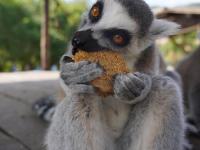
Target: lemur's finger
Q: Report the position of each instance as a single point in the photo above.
(88, 68)
(136, 81)
(82, 89)
(136, 91)
(66, 59)
(82, 76)
(132, 83)
(88, 76)
(121, 88)
(67, 76)
(71, 71)
(136, 84)
(73, 66)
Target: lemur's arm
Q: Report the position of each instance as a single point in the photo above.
(166, 108)
(158, 104)
(156, 123)
(159, 113)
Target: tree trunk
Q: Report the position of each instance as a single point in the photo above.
(44, 40)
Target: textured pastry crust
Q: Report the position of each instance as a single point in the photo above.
(112, 63)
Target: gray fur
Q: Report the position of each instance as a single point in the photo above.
(144, 113)
(141, 12)
(149, 61)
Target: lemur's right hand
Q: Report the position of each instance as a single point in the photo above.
(77, 75)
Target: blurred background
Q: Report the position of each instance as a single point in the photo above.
(33, 36)
(26, 44)
(23, 35)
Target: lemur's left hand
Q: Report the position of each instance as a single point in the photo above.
(132, 87)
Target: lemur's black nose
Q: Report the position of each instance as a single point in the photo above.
(76, 42)
(80, 38)
(84, 40)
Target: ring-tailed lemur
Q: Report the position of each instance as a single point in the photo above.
(145, 112)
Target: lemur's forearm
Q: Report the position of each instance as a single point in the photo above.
(171, 131)
(156, 123)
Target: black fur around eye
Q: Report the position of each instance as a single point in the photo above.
(96, 12)
(119, 37)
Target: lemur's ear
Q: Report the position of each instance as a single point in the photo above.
(162, 28)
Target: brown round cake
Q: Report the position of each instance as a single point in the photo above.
(111, 61)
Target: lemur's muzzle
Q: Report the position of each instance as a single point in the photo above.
(83, 40)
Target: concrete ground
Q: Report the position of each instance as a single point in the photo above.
(20, 129)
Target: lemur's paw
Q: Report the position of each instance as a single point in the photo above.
(79, 73)
(132, 87)
(45, 108)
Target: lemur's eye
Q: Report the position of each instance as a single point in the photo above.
(118, 39)
(96, 12)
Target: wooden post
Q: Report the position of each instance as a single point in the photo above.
(44, 39)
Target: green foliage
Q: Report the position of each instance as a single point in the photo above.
(20, 31)
(18, 38)
(177, 47)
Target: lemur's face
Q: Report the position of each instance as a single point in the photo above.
(113, 25)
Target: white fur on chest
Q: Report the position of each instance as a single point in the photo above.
(116, 115)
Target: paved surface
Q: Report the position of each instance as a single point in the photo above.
(20, 129)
